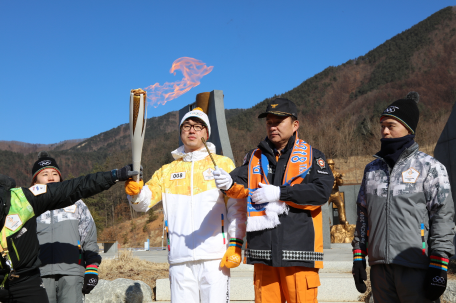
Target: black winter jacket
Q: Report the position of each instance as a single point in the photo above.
(25, 249)
(298, 239)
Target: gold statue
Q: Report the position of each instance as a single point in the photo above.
(335, 197)
(343, 232)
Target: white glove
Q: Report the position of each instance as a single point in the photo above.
(266, 193)
(222, 179)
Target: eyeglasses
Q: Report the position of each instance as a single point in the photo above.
(196, 127)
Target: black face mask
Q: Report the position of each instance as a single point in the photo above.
(392, 148)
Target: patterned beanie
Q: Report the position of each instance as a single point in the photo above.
(405, 111)
(44, 161)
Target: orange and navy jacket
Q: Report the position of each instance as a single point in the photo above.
(298, 239)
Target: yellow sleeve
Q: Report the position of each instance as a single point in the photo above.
(225, 163)
(155, 186)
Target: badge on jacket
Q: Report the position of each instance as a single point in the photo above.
(321, 163)
(70, 209)
(38, 189)
(207, 174)
(177, 176)
(13, 222)
(410, 175)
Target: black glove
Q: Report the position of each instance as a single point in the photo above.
(360, 275)
(435, 282)
(90, 279)
(7, 182)
(124, 173)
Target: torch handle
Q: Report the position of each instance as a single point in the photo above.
(137, 167)
(209, 152)
(138, 114)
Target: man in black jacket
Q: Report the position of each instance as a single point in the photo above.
(19, 274)
(286, 182)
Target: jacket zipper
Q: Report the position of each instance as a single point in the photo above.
(14, 246)
(52, 240)
(191, 208)
(388, 199)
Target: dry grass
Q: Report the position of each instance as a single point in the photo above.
(127, 266)
(133, 233)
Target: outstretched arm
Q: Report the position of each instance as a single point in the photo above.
(59, 195)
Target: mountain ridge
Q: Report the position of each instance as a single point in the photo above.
(338, 109)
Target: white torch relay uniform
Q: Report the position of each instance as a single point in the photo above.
(201, 221)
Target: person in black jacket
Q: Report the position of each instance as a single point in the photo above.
(286, 182)
(20, 280)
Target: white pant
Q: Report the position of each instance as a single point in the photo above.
(199, 281)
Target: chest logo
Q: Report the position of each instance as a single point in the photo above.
(13, 222)
(70, 209)
(410, 175)
(207, 174)
(177, 176)
(38, 189)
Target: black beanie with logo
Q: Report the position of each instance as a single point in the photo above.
(44, 161)
(405, 111)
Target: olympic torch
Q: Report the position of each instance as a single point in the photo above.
(138, 113)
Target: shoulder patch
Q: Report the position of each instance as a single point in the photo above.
(321, 163)
(38, 189)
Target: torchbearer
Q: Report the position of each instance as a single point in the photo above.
(138, 113)
(198, 217)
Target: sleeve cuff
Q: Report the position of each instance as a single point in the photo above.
(359, 255)
(284, 196)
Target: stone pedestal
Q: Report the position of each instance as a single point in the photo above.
(350, 196)
(325, 212)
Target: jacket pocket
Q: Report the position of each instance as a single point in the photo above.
(313, 281)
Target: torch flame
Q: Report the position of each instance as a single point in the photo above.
(192, 69)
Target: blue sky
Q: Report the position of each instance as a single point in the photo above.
(67, 67)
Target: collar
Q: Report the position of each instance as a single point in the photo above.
(407, 152)
(196, 155)
(268, 146)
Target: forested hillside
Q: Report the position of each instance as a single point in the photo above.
(339, 112)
